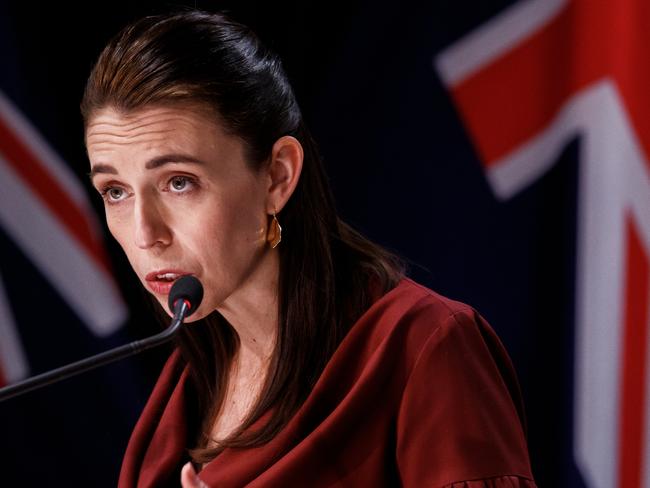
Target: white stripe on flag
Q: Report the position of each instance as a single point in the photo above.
(12, 356)
(645, 468)
(85, 286)
(45, 155)
(494, 38)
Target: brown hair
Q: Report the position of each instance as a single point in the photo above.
(329, 274)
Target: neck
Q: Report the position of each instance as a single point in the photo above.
(252, 310)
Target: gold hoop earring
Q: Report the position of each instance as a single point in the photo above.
(274, 234)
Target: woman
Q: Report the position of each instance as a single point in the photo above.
(312, 360)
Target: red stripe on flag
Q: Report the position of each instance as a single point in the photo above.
(511, 99)
(633, 382)
(50, 192)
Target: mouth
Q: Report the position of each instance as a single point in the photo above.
(161, 281)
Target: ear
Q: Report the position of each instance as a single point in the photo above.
(284, 170)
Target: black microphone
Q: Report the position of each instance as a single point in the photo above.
(184, 298)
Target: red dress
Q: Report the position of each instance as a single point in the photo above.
(420, 393)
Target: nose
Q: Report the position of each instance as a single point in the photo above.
(151, 230)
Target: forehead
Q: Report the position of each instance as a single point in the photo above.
(109, 128)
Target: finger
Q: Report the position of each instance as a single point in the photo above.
(189, 478)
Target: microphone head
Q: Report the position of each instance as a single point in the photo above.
(186, 288)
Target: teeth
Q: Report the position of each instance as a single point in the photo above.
(167, 276)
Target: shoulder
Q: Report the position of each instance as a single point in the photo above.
(435, 338)
(416, 300)
(417, 313)
(438, 333)
(410, 322)
(461, 402)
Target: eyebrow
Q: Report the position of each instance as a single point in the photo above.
(154, 163)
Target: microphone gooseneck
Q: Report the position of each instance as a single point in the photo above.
(184, 298)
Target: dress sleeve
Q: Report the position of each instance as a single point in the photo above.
(498, 482)
(460, 421)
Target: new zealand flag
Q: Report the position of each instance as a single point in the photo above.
(59, 299)
(500, 146)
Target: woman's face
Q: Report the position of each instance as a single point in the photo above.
(180, 199)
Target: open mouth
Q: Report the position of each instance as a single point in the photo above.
(160, 282)
(167, 276)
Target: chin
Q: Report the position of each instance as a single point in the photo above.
(195, 317)
(202, 312)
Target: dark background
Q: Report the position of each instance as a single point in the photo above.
(403, 172)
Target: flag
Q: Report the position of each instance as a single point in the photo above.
(526, 83)
(404, 171)
(59, 300)
(44, 210)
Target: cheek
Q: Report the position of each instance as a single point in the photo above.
(229, 238)
(116, 227)
(230, 235)
(248, 225)
(121, 232)
(237, 218)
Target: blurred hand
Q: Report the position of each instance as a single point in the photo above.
(189, 478)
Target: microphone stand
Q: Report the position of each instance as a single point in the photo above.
(181, 309)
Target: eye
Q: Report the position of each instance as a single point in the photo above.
(180, 184)
(113, 194)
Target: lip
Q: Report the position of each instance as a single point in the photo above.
(162, 287)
